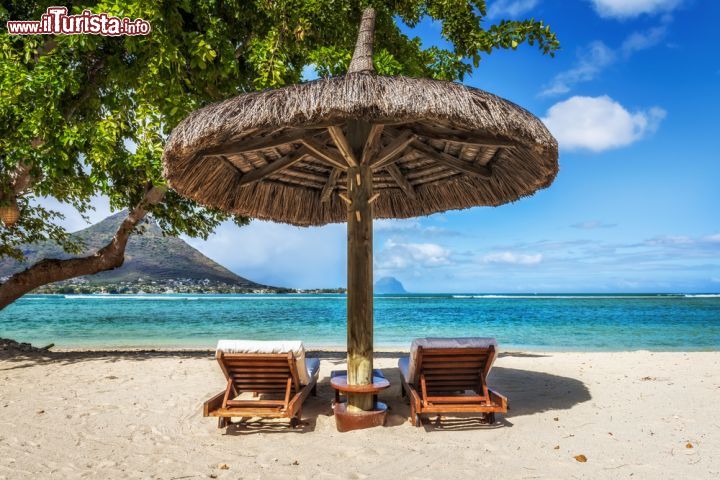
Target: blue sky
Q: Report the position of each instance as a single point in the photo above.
(633, 99)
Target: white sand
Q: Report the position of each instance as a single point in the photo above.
(107, 415)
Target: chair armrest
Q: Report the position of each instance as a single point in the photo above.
(498, 399)
(414, 397)
(213, 404)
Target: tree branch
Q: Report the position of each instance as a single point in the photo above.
(110, 257)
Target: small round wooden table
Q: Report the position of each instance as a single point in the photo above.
(346, 420)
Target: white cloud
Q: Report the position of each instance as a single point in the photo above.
(592, 59)
(410, 227)
(623, 9)
(713, 238)
(669, 240)
(592, 225)
(395, 226)
(596, 57)
(510, 8)
(643, 40)
(398, 256)
(599, 123)
(513, 258)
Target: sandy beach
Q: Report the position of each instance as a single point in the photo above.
(138, 415)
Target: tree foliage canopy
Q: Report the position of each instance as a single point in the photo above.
(88, 115)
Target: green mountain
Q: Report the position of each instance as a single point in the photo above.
(149, 257)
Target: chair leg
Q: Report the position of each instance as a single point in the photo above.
(222, 422)
(414, 416)
(417, 421)
(296, 420)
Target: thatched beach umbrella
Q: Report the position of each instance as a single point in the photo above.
(355, 148)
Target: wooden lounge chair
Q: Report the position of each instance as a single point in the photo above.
(449, 375)
(264, 379)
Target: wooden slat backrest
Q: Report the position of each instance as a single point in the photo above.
(444, 370)
(261, 373)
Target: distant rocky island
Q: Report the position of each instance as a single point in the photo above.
(154, 263)
(389, 285)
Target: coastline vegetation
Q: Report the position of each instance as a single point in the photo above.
(81, 286)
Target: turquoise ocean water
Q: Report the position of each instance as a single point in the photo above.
(542, 322)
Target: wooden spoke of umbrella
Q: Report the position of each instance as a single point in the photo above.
(270, 168)
(282, 137)
(440, 176)
(329, 155)
(496, 156)
(391, 152)
(303, 178)
(446, 134)
(227, 162)
(400, 179)
(373, 143)
(338, 137)
(451, 161)
(330, 185)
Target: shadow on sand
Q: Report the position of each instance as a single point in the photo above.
(313, 408)
(255, 426)
(529, 392)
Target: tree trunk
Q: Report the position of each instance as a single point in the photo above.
(362, 57)
(360, 271)
(109, 257)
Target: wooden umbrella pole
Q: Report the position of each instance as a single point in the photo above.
(360, 237)
(360, 271)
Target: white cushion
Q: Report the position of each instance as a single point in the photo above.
(463, 342)
(305, 372)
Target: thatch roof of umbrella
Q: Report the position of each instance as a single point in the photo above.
(270, 155)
